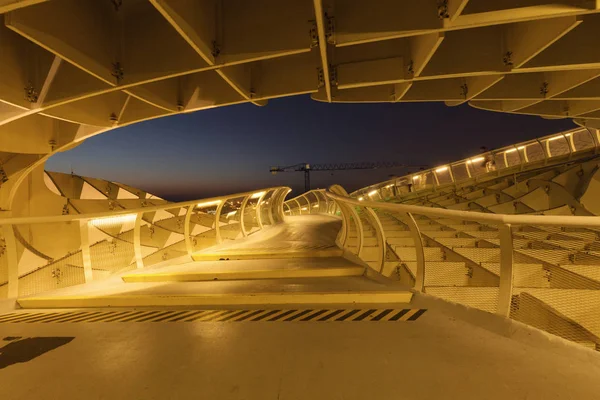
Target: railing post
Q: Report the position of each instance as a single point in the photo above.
(12, 260)
(374, 219)
(242, 213)
(84, 233)
(359, 230)
(187, 232)
(270, 207)
(418, 240)
(137, 240)
(218, 237)
(299, 207)
(506, 270)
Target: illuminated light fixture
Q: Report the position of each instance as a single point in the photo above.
(257, 195)
(389, 186)
(442, 169)
(478, 159)
(231, 214)
(361, 198)
(372, 193)
(208, 203)
(513, 150)
(316, 206)
(304, 209)
(117, 219)
(558, 137)
(416, 177)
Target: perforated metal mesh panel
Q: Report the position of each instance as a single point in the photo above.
(461, 261)
(557, 282)
(47, 268)
(163, 234)
(111, 245)
(583, 140)
(230, 226)
(3, 267)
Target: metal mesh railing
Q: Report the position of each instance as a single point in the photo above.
(524, 155)
(46, 253)
(543, 270)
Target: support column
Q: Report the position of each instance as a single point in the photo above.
(13, 261)
(506, 271)
(85, 250)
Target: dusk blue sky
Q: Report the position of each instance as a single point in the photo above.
(230, 149)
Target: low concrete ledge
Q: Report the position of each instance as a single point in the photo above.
(243, 275)
(358, 298)
(266, 254)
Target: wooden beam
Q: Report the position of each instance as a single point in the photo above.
(11, 5)
(49, 79)
(359, 21)
(422, 48)
(523, 41)
(79, 32)
(473, 51)
(474, 86)
(400, 90)
(370, 73)
(566, 52)
(455, 9)
(263, 29)
(195, 21)
(320, 21)
(272, 81)
(32, 135)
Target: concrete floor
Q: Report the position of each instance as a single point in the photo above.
(449, 353)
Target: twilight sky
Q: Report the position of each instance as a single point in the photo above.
(230, 149)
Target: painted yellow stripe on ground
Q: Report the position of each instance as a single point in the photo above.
(193, 316)
(135, 318)
(409, 314)
(180, 316)
(41, 318)
(20, 316)
(84, 317)
(252, 315)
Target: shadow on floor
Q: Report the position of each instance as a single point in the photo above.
(23, 350)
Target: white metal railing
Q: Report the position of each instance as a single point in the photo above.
(364, 235)
(529, 154)
(43, 253)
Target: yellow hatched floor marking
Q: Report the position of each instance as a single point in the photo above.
(300, 315)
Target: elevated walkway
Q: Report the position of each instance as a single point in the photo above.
(290, 264)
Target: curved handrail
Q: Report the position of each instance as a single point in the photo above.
(80, 240)
(78, 217)
(496, 219)
(543, 143)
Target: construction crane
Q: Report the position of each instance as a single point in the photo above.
(308, 168)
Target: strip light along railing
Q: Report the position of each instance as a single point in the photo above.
(363, 235)
(44, 253)
(518, 157)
